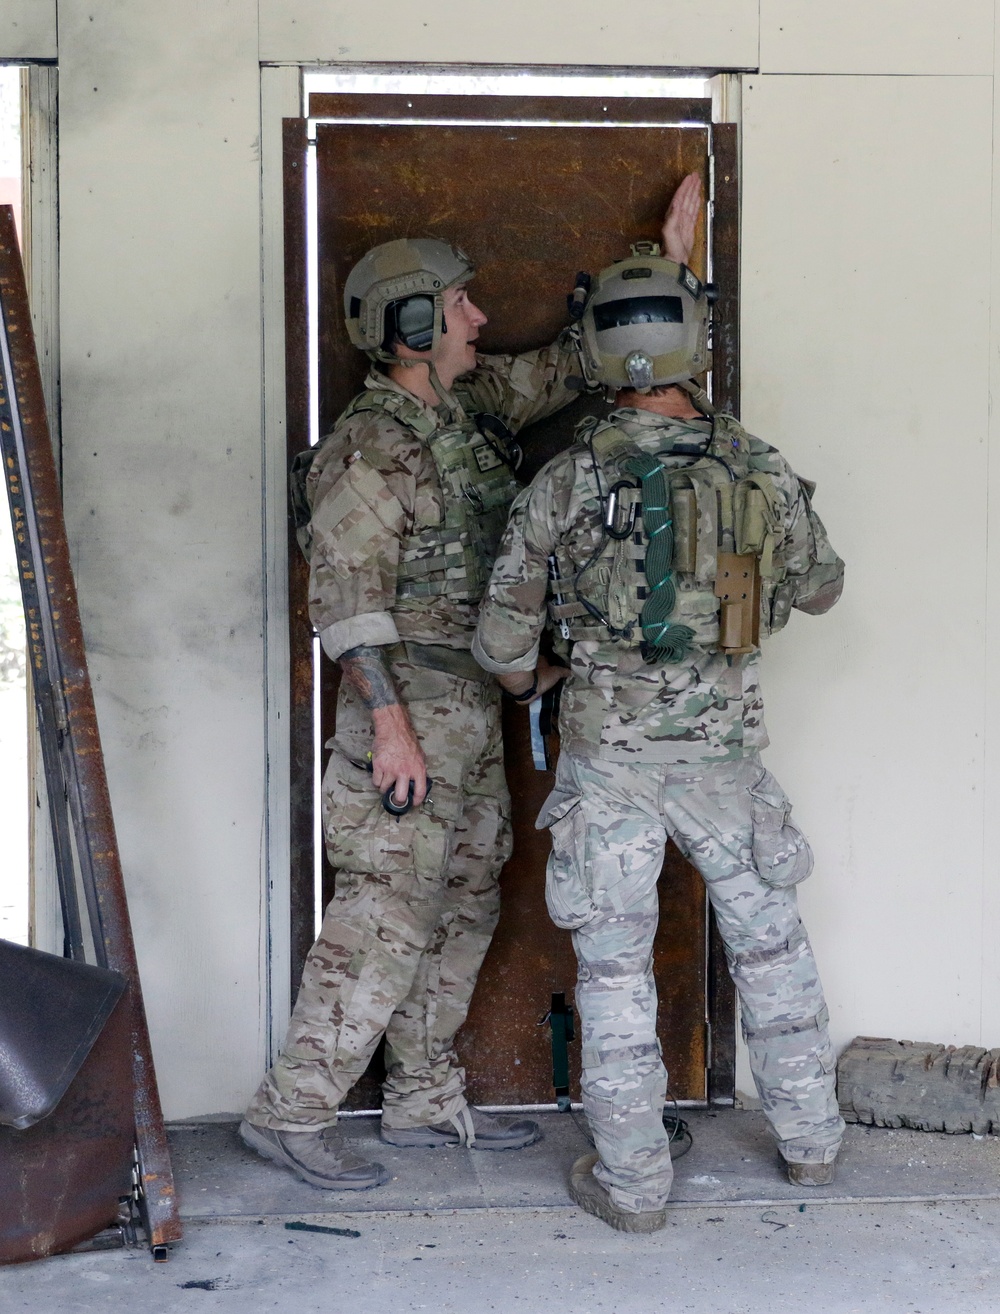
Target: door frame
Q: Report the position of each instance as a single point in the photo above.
(290, 830)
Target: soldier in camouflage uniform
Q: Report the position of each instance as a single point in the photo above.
(408, 498)
(659, 547)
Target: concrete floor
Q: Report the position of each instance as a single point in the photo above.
(911, 1227)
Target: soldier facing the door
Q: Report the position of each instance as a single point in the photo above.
(660, 547)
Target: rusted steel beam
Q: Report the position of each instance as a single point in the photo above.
(60, 666)
(300, 638)
(726, 270)
(671, 111)
(721, 999)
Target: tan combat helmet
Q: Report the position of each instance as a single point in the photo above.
(396, 291)
(645, 323)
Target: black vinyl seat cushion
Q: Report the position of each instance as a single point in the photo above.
(51, 1012)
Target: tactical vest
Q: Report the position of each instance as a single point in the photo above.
(455, 557)
(725, 523)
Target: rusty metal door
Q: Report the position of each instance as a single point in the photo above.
(533, 189)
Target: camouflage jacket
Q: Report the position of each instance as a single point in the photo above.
(374, 483)
(614, 706)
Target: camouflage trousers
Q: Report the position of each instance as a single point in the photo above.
(416, 903)
(610, 822)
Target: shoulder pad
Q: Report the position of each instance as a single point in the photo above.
(729, 434)
(610, 443)
(298, 474)
(406, 412)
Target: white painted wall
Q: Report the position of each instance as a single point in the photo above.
(28, 29)
(889, 36)
(161, 388)
(683, 33)
(866, 322)
(869, 347)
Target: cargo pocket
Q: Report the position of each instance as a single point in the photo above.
(567, 896)
(349, 803)
(362, 837)
(781, 852)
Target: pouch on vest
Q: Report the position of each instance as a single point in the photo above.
(757, 520)
(737, 586)
(726, 523)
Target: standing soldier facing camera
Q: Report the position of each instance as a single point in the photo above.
(662, 545)
(406, 502)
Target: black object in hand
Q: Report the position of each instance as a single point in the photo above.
(391, 803)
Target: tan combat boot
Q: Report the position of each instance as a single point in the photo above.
(594, 1198)
(318, 1156)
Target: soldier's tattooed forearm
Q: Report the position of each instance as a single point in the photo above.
(365, 670)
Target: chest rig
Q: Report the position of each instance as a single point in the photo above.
(474, 466)
(686, 555)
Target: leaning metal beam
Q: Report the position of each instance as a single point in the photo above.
(74, 764)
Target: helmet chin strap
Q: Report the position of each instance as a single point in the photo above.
(699, 397)
(445, 397)
(447, 400)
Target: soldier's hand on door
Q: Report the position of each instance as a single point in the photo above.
(681, 220)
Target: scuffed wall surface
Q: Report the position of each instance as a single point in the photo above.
(684, 33)
(159, 189)
(890, 36)
(866, 328)
(867, 337)
(28, 29)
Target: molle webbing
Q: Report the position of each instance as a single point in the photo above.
(453, 558)
(444, 551)
(666, 575)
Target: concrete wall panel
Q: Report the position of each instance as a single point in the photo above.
(866, 329)
(28, 29)
(892, 36)
(160, 314)
(520, 32)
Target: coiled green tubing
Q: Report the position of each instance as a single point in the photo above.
(665, 642)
